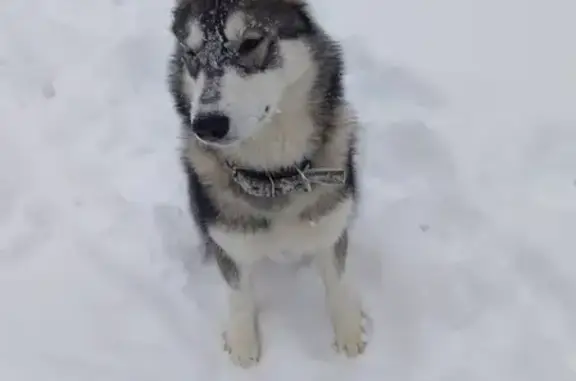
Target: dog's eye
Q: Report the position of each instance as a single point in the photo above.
(249, 44)
(189, 61)
(188, 53)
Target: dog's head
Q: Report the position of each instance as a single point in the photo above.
(238, 59)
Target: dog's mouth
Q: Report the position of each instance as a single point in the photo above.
(220, 143)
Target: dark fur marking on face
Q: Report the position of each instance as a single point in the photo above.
(275, 19)
(189, 62)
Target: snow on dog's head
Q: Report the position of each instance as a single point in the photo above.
(242, 61)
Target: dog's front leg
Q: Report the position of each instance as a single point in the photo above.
(344, 307)
(241, 337)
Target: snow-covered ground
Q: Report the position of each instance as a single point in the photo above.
(465, 251)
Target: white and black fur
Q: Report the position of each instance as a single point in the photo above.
(258, 87)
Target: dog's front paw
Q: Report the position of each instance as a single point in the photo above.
(242, 343)
(350, 332)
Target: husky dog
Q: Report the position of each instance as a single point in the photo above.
(269, 151)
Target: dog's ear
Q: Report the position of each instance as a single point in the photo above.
(180, 15)
(297, 20)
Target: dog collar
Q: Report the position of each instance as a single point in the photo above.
(298, 178)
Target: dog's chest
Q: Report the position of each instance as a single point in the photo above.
(285, 240)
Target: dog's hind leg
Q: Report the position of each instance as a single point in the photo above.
(344, 307)
(241, 337)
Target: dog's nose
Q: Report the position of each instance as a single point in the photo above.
(211, 127)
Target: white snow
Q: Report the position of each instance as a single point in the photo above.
(464, 251)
